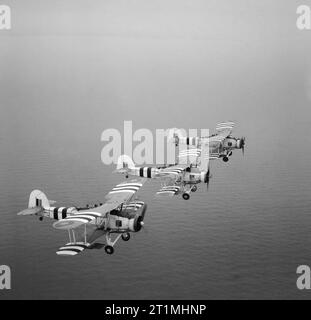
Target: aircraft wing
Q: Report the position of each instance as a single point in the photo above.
(121, 193)
(169, 190)
(173, 172)
(189, 156)
(223, 130)
(84, 236)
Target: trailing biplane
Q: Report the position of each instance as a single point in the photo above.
(182, 178)
(221, 144)
(116, 218)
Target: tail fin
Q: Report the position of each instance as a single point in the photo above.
(38, 199)
(124, 163)
(204, 165)
(37, 202)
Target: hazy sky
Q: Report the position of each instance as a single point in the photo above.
(91, 65)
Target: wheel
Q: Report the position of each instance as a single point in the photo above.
(186, 196)
(126, 236)
(109, 249)
(194, 189)
(225, 159)
(41, 218)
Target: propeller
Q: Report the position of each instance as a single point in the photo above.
(207, 179)
(143, 227)
(243, 144)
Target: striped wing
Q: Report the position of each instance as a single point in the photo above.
(122, 193)
(189, 156)
(173, 171)
(224, 129)
(168, 191)
(76, 220)
(71, 249)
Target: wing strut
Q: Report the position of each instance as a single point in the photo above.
(85, 234)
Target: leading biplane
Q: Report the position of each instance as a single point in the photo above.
(221, 144)
(116, 218)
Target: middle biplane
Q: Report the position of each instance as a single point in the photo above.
(182, 178)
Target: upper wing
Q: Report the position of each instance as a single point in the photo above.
(189, 156)
(223, 130)
(120, 194)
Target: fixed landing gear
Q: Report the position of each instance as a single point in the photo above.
(109, 249)
(111, 242)
(194, 189)
(126, 236)
(225, 159)
(186, 196)
(40, 218)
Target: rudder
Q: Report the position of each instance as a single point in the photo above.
(38, 199)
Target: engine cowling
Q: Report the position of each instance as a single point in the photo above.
(137, 221)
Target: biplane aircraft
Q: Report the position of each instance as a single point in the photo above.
(182, 178)
(116, 218)
(221, 144)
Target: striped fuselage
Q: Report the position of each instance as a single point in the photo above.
(59, 213)
(193, 176)
(144, 172)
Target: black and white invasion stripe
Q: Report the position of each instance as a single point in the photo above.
(169, 190)
(59, 213)
(84, 217)
(134, 205)
(225, 125)
(189, 152)
(71, 249)
(126, 187)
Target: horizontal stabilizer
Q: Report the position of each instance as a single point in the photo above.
(30, 211)
(72, 249)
